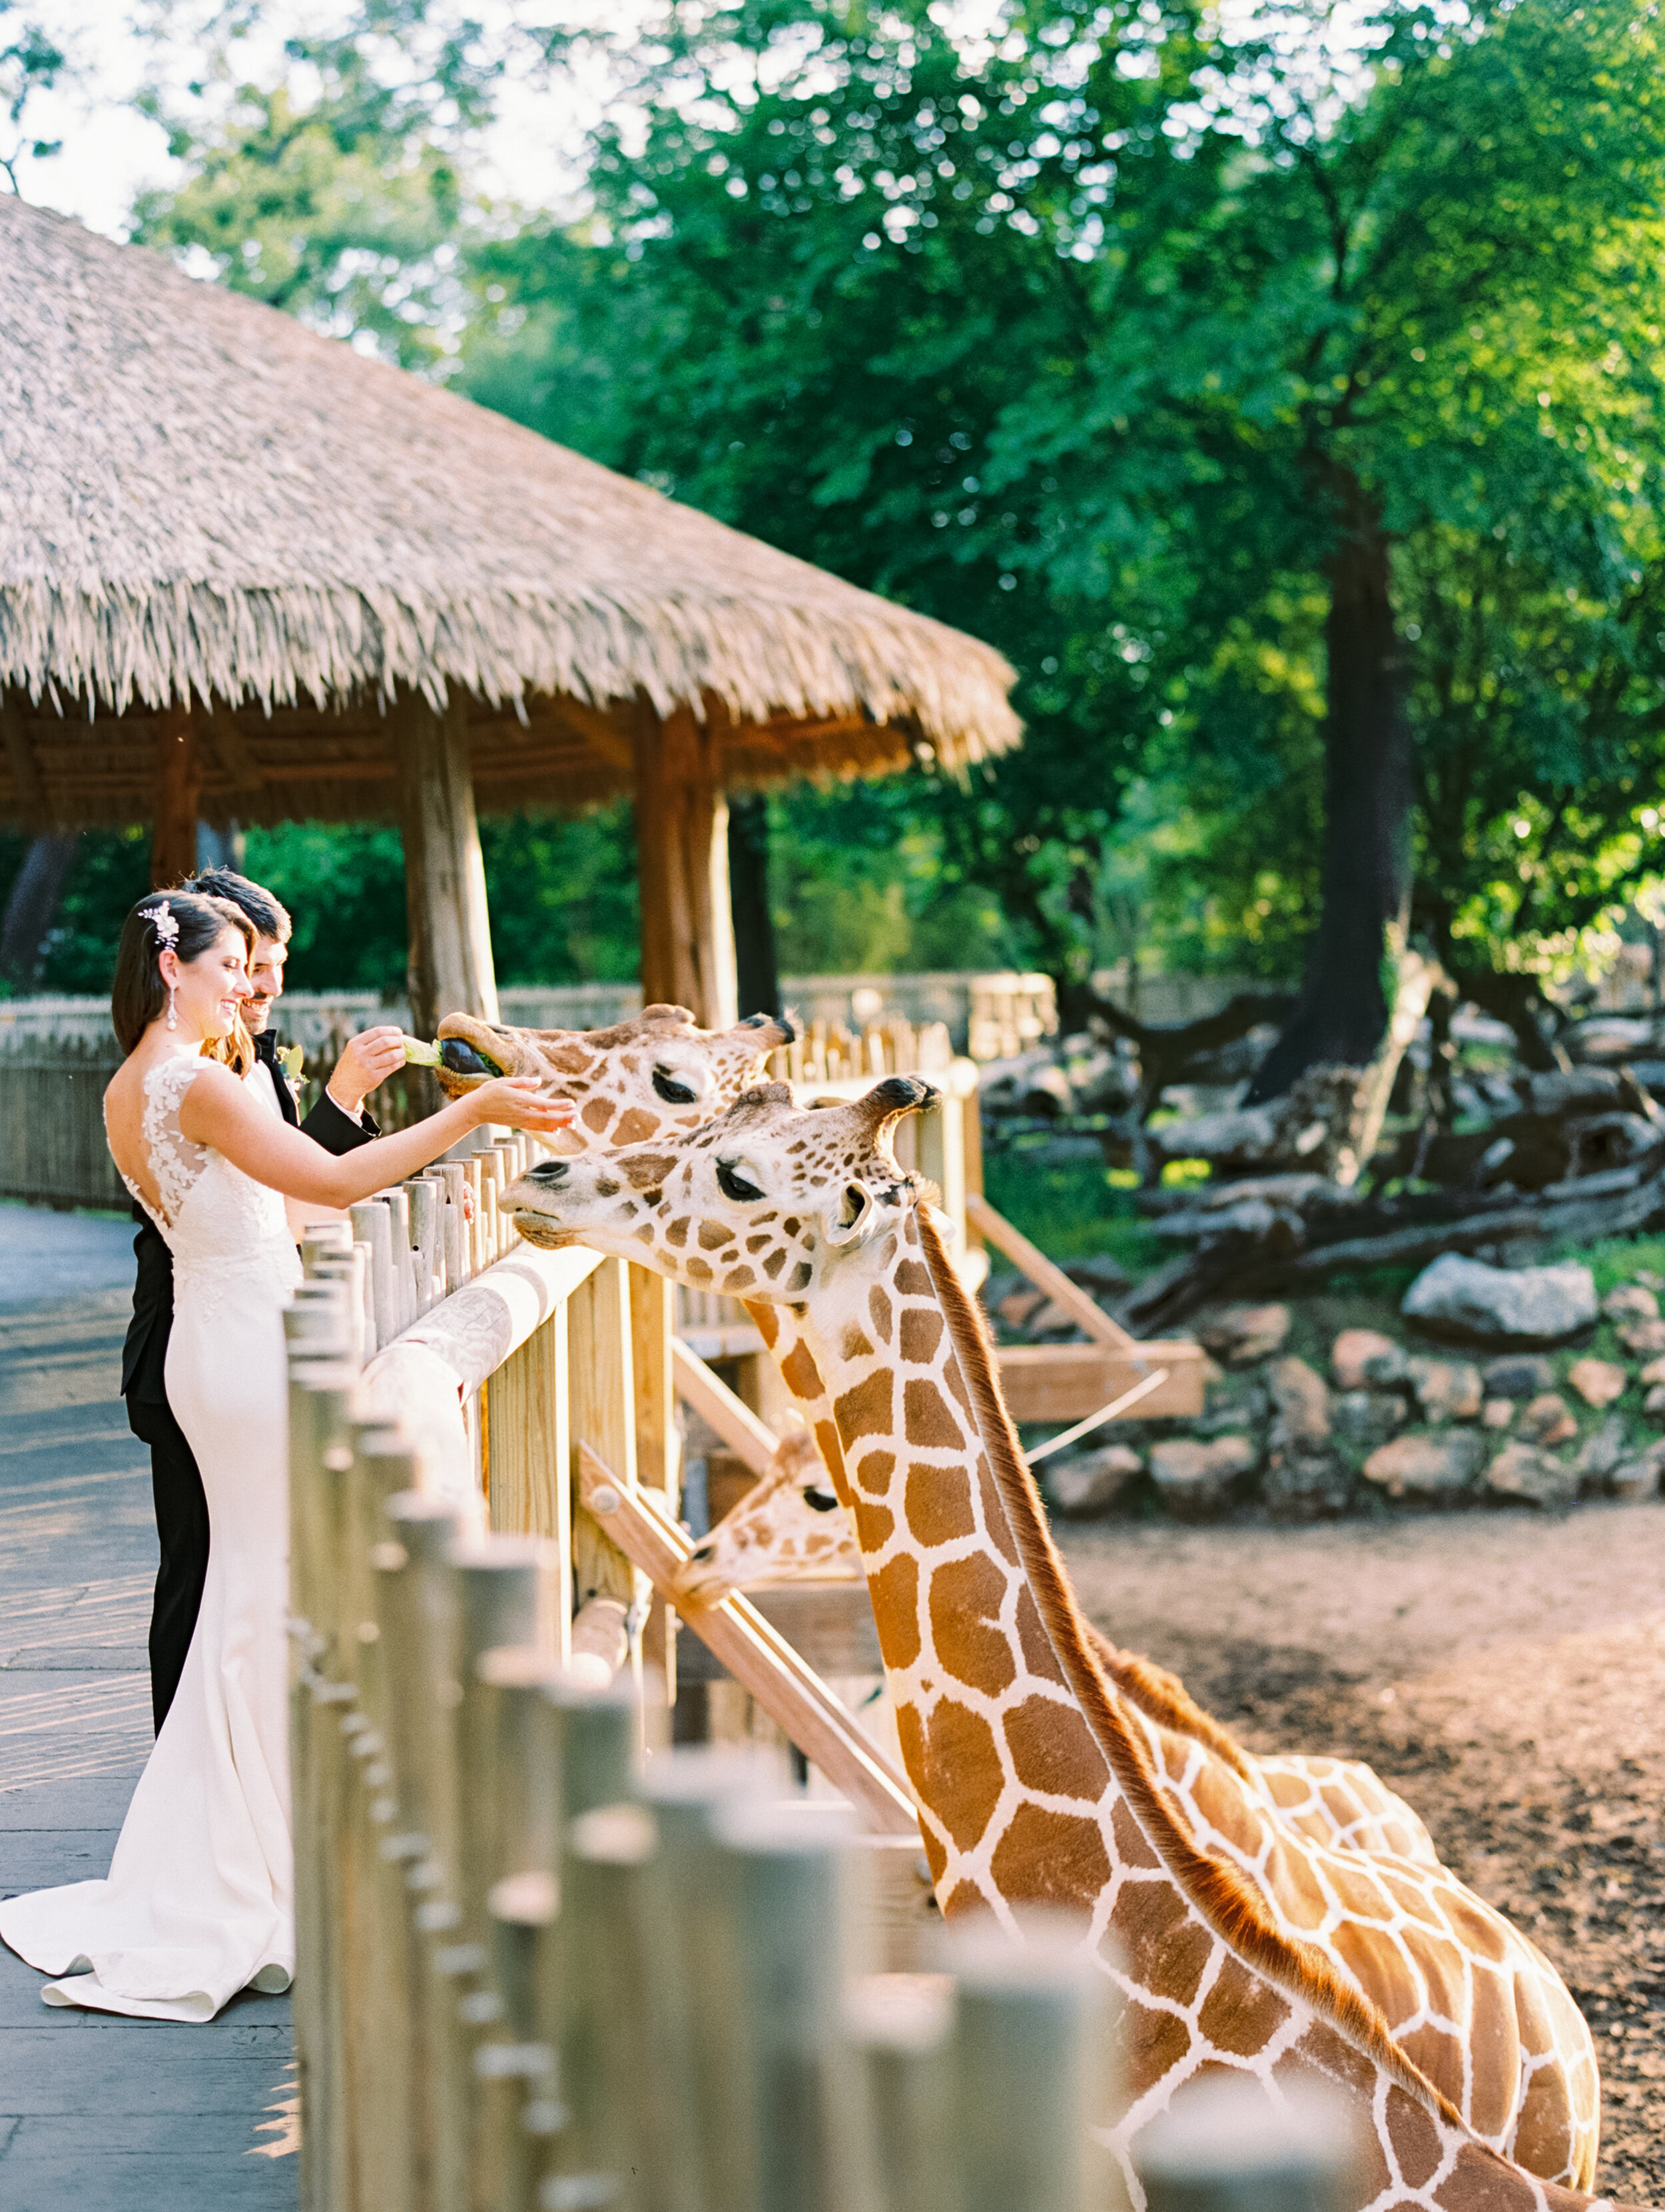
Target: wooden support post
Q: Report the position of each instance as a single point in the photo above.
(29, 800)
(900, 2024)
(652, 1315)
(179, 778)
(445, 877)
(802, 2146)
(681, 854)
(600, 1366)
(1033, 2061)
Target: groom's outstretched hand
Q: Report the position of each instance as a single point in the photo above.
(370, 1058)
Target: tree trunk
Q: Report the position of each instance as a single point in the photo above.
(33, 905)
(445, 877)
(1366, 880)
(757, 973)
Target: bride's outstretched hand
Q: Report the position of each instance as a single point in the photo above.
(513, 1101)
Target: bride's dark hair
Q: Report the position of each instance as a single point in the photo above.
(139, 994)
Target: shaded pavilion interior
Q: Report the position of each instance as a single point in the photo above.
(248, 575)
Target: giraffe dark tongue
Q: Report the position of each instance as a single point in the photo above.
(463, 1060)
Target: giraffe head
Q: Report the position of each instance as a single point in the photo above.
(790, 1528)
(656, 1072)
(766, 1202)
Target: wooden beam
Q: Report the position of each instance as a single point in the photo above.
(757, 1655)
(445, 877)
(715, 1403)
(682, 857)
(178, 786)
(995, 1228)
(1067, 1382)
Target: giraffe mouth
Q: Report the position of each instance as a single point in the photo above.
(458, 1057)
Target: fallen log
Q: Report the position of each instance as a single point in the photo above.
(1289, 1254)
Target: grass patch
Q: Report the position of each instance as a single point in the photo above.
(1072, 1208)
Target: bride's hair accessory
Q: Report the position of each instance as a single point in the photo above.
(163, 920)
(165, 923)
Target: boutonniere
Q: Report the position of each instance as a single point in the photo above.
(290, 1060)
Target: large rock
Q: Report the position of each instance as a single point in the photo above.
(1472, 1302)
(1521, 1474)
(1603, 1450)
(1301, 1401)
(1598, 1382)
(1638, 1477)
(1305, 1482)
(1435, 1470)
(1364, 1359)
(1366, 1417)
(1548, 1421)
(1446, 1389)
(1242, 1334)
(1521, 1374)
(1197, 1479)
(1092, 1482)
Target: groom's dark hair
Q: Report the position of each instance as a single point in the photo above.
(269, 915)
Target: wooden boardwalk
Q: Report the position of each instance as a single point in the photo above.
(97, 2113)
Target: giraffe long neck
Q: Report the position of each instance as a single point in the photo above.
(1036, 1780)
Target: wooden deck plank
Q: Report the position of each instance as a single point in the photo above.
(102, 2113)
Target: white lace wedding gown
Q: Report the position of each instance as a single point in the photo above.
(198, 1901)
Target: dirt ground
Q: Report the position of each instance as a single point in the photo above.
(1506, 1672)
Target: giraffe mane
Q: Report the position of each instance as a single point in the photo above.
(1165, 1699)
(1225, 1900)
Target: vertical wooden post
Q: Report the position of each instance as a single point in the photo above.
(681, 854)
(445, 877)
(177, 786)
(653, 1315)
(601, 1372)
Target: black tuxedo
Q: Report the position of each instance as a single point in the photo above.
(181, 1507)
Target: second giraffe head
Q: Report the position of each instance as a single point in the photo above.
(762, 1203)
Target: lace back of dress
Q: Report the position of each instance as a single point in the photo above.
(175, 1162)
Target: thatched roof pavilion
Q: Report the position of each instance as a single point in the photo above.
(246, 572)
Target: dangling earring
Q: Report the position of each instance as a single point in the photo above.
(173, 1011)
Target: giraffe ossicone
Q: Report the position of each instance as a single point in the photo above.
(1238, 1942)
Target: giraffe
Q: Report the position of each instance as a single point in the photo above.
(789, 1527)
(658, 1071)
(1237, 1943)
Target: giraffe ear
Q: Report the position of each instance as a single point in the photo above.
(854, 1219)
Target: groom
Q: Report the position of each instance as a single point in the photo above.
(339, 1123)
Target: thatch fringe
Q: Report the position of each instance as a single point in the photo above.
(200, 496)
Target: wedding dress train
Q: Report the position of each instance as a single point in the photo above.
(198, 1901)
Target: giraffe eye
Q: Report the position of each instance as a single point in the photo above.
(676, 1087)
(822, 1501)
(733, 1184)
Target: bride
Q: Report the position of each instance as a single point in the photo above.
(198, 1902)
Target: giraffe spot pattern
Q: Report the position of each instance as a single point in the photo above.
(878, 1306)
(921, 1332)
(927, 1420)
(965, 1600)
(864, 1411)
(873, 1472)
(937, 1502)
